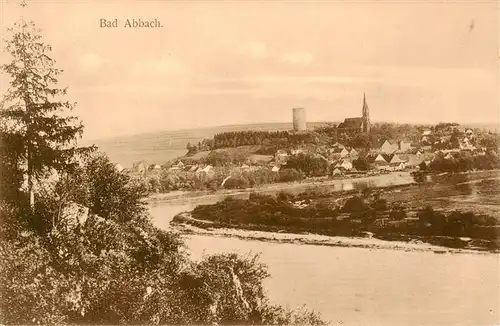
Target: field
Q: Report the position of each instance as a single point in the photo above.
(248, 151)
(160, 147)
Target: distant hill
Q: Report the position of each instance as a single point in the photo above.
(160, 147)
(493, 127)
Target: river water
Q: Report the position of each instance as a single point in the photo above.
(357, 286)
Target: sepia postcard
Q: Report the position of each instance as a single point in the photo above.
(210, 162)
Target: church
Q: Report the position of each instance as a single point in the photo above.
(357, 124)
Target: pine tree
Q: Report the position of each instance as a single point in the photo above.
(32, 113)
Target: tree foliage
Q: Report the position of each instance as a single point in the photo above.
(97, 184)
(31, 110)
(308, 164)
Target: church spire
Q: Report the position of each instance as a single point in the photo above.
(366, 115)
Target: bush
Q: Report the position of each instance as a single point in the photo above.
(361, 164)
(105, 191)
(285, 196)
(237, 182)
(308, 164)
(354, 204)
(289, 175)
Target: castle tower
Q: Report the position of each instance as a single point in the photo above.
(366, 115)
(299, 119)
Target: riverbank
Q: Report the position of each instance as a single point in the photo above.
(320, 240)
(360, 286)
(370, 181)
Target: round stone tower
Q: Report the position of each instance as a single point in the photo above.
(299, 119)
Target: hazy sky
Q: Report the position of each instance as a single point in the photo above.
(216, 63)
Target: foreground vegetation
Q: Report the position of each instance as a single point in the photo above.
(76, 243)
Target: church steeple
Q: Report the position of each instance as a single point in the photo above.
(366, 115)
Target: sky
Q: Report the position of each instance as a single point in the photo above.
(218, 63)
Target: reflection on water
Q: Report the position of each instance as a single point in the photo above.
(354, 286)
(347, 186)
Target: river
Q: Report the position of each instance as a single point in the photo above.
(164, 210)
(358, 286)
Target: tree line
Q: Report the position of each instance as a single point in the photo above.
(463, 161)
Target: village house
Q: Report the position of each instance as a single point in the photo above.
(380, 163)
(140, 167)
(337, 144)
(427, 138)
(426, 148)
(466, 144)
(179, 166)
(193, 168)
(390, 146)
(353, 154)
(412, 160)
(208, 170)
(397, 163)
(345, 164)
(281, 156)
(403, 146)
(336, 172)
(119, 168)
(339, 152)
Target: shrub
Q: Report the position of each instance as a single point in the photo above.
(237, 182)
(354, 204)
(105, 191)
(285, 196)
(361, 164)
(289, 175)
